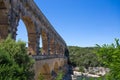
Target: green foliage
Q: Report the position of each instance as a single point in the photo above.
(15, 64)
(81, 69)
(109, 55)
(40, 77)
(83, 57)
(60, 75)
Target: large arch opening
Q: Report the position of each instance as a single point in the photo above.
(41, 45)
(32, 36)
(22, 32)
(28, 35)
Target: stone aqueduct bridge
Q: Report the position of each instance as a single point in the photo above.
(54, 50)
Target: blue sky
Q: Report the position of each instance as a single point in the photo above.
(81, 22)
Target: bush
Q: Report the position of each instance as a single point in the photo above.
(109, 55)
(15, 64)
(60, 75)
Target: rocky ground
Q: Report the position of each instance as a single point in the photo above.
(92, 72)
(79, 75)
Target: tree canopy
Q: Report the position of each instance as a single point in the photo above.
(83, 56)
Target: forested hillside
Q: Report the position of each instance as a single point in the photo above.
(107, 55)
(83, 56)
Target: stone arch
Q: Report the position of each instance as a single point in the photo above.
(56, 67)
(44, 37)
(45, 72)
(57, 48)
(9, 20)
(33, 36)
(52, 46)
(29, 24)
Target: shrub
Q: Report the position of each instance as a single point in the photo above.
(15, 64)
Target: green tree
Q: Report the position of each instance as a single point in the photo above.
(109, 55)
(15, 64)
